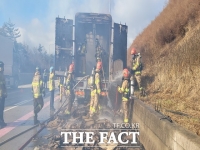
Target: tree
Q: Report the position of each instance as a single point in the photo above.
(1, 31)
(40, 48)
(10, 31)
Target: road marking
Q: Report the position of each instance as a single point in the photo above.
(18, 104)
(23, 102)
(21, 120)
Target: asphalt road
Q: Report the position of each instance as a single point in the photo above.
(18, 114)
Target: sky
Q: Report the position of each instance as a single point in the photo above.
(35, 19)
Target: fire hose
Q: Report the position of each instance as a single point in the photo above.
(24, 145)
(106, 85)
(42, 125)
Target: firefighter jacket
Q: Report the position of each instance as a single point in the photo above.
(82, 49)
(69, 82)
(51, 81)
(37, 85)
(3, 90)
(98, 82)
(136, 64)
(124, 89)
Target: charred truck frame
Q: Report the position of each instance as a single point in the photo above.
(90, 28)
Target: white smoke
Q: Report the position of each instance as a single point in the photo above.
(136, 14)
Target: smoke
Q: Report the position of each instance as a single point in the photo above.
(37, 22)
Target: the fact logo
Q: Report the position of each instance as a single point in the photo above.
(120, 134)
(103, 136)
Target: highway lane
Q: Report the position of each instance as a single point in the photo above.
(18, 114)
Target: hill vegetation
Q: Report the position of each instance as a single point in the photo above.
(170, 48)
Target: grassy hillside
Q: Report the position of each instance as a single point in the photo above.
(170, 48)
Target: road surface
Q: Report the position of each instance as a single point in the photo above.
(18, 115)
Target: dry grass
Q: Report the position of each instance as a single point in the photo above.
(170, 47)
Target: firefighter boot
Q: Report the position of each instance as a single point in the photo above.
(35, 119)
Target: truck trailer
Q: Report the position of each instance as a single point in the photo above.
(91, 29)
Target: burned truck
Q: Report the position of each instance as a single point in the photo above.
(91, 30)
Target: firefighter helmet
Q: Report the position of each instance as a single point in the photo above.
(133, 51)
(71, 68)
(51, 69)
(38, 70)
(99, 65)
(125, 73)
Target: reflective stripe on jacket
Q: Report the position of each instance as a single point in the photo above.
(95, 91)
(136, 65)
(98, 82)
(69, 83)
(124, 90)
(37, 86)
(51, 82)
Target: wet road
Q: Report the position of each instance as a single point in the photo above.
(18, 115)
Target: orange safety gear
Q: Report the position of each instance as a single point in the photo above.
(125, 73)
(71, 68)
(99, 65)
(133, 51)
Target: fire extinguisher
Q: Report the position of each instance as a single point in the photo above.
(131, 87)
(93, 76)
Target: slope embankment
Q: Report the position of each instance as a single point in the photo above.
(157, 132)
(170, 48)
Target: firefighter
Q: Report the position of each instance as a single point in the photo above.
(98, 54)
(124, 89)
(3, 95)
(95, 89)
(68, 84)
(82, 50)
(60, 85)
(45, 79)
(38, 90)
(136, 67)
(51, 87)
